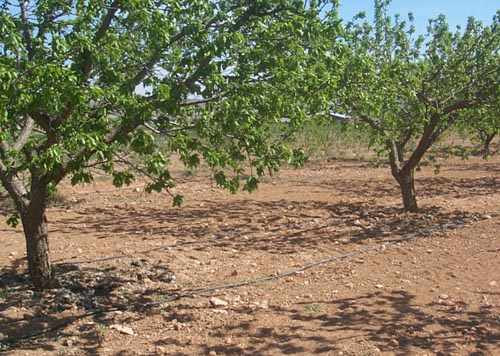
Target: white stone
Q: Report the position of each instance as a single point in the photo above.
(217, 302)
(123, 329)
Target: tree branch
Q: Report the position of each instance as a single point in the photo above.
(373, 123)
(24, 134)
(25, 28)
(241, 20)
(148, 67)
(100, 33)
(141, 171)
(426, 141)
(47, 20)
(394, 158)
(14, 187)
(458, 105)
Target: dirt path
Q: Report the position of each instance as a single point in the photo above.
(436, 294)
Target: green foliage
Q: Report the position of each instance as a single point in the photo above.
(483, 125)
(89, 85)
(407, 90)
(4, 293)
(396, 82)
(13, 220)
(85, 85)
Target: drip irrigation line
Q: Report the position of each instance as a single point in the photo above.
(276, 276)
(118, 257)
(11, 342)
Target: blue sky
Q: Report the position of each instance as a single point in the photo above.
(457, 11)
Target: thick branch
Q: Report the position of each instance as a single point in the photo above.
(23, 4)
(100, 33)
(423, 145)
(433, 130)
(458, 105)
(24, 134)
(148, 67)
(14, 187)
(394, 159)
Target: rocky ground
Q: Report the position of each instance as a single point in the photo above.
(319, 261)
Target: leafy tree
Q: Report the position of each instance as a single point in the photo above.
(83, 84)
(408, 90)
(484, 126)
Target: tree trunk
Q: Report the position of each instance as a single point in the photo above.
(37, 247)
(486, 152)
(406, 180)
(31, 207)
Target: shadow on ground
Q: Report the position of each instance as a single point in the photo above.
(389, 322)
(426, 187)
(277, 227)
(31, 320)
(282, 226)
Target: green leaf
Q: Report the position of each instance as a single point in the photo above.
(178, 200)
(13, 220)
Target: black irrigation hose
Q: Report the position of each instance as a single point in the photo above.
(11, 342)
(202, 291)
(102, 259)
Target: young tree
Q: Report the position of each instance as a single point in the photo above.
(484, 126)
(85, 83)
(408, 90)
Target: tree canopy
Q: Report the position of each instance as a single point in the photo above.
(122, 86)
(408, 89)
(83, 84)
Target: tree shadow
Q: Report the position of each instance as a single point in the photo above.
(101, 297)
(279, 227)
(389, 322)
(459, 188)
(140, 285)
(486, 166)
(426, 187)
(137, 286)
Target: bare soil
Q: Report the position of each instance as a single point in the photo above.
(136, 275)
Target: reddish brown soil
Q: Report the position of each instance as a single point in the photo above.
(435, 292)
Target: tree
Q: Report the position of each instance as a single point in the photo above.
(484, 126)
(408, 90)
(84, 84)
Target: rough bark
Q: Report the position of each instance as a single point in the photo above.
(406, 180)
(486, 150)
(404, 173)
(31, 207)
(37, 247)
(34, 221)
